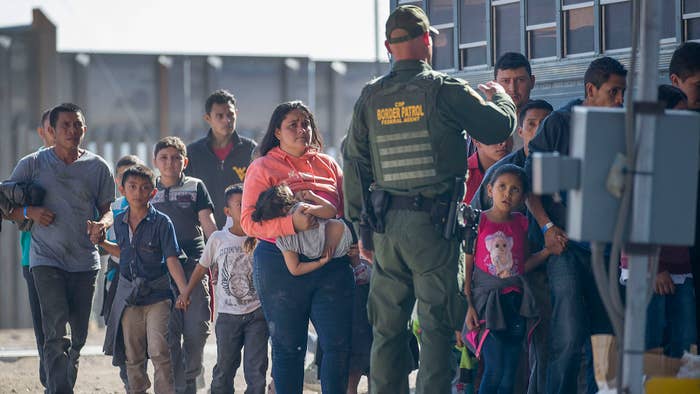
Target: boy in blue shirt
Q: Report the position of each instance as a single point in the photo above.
(138, 321)
(112, 273)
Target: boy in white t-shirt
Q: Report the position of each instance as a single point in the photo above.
(240, 322)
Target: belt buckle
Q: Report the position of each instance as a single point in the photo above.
(418, 202)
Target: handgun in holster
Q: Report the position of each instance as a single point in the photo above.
(447, 210)
(468, 220)
(380, 200)
(366, 213)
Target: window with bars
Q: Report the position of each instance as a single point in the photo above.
(577, 21)
(668, 22)
(506, 26)
(541, 28)
(691, 19)
(441, 14)
(477, 32)
(616, 33)
(472, 33)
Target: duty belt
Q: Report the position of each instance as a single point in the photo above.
(411, 203)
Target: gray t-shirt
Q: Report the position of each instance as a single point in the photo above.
(310, 242)
(74, 192)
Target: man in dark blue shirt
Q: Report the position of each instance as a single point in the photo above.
(577, 310)
(147, 250)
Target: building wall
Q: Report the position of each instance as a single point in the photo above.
(131, 100)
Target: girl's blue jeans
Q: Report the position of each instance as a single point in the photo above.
(324, 296)
(501, 350)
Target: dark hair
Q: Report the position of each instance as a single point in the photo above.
(65, 107)
(232, 190)
(671, 95)
(685, 60)
(512, 61)
(533, 104)
(270, 141)
(599, 71)
(273, 203)
(220, 96)
(44, 116)
(512, 169)
(128, 161)
(170, 142)
(139, 171)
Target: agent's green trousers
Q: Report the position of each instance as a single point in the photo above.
(413, 262)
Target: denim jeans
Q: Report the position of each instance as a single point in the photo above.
(501, 349)
(65, 297)
(233, 333)
(673, 315)
(35, 309)
(325, 296)
(187, 334)
(500, 354)
(577, 312)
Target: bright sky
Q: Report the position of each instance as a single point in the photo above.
(321, 29)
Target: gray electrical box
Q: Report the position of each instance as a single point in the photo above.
(597, 139)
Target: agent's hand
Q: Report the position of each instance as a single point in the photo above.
(663, 285)
(555, 240)
(367, 254)
(472, 319)
(490, 88)
(41, 215)
(302, 220)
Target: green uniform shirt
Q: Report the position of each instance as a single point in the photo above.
(456, 108)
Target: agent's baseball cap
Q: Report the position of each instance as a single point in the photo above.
(410, 18)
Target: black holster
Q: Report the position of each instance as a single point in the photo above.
(445, 210)
(380, 200)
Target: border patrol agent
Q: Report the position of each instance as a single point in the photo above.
(406, 140)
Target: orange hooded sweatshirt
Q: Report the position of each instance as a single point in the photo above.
(312, 171)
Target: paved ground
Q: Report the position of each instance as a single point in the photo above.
(19, 366)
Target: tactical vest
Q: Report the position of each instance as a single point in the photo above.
(403, 155)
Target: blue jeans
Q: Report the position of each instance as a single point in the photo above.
(247, 332)
(35, 308)
(577, 312)
(673, 314)
(187, 333)
(500, 354)
(501, 350)
(325, 296)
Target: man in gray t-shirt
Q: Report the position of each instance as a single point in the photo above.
(64, 260)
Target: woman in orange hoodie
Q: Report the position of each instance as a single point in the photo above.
(290, 153)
